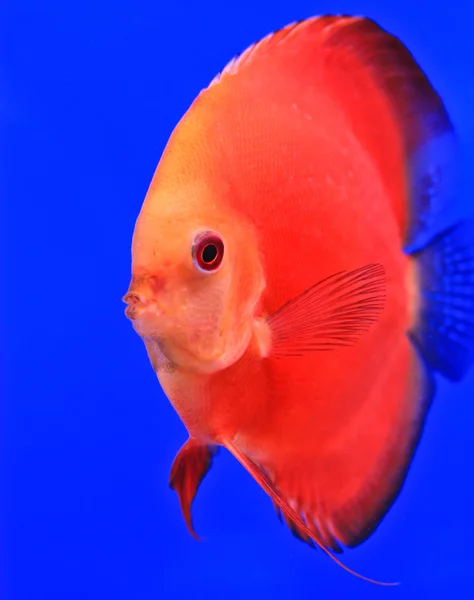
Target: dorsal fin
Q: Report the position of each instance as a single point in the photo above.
(384, 92)
(269, 43)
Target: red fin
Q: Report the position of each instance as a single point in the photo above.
(333, 477)
(190, 466)
(389, 101)
(284, 511)
(276, 41)
(334, 312)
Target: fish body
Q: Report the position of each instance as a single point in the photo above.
(316, 174)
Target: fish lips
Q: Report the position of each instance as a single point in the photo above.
(139, 305)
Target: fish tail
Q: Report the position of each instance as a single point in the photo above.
(444, 323)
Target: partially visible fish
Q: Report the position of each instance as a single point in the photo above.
(293, 278)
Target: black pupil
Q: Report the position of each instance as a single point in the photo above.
(209, 253)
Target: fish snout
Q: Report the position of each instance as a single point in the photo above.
(136, 304)
(142, 295)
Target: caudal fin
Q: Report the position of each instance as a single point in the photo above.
(444, 331)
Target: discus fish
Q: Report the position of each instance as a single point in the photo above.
(296, 278)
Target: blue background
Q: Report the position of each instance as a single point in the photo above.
(91, 92)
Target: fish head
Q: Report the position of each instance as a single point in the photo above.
(197, 277)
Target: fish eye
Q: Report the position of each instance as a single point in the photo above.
(208, 251)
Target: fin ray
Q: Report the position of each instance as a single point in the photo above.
(334, 312)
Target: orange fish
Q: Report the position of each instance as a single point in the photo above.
(293, 279)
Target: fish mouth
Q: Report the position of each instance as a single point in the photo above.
(138, 305)
(141, 296)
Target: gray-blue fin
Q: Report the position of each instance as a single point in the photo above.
(444, 331)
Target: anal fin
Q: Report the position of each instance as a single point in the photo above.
(289, 515)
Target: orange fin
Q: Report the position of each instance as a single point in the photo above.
(189, 468)
(334, 312)
(294, 521)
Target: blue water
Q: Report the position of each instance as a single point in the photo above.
(91, 92)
